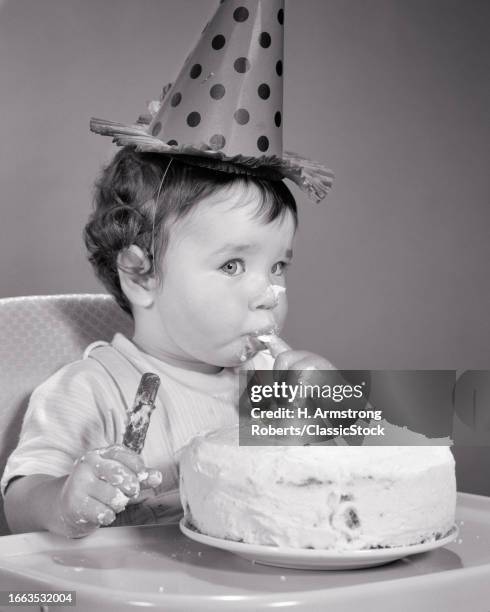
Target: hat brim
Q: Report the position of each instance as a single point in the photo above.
(311, 177)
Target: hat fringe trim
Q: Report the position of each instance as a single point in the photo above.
(311, 177)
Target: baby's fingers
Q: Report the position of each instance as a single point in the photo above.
(276, 345)
(92, 512)
(150, 478)
(83, 513)
(109, 495)
(123, 455)
(289, 360)
(116, 474)
(313, 362)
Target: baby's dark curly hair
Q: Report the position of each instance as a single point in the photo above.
(139, 195)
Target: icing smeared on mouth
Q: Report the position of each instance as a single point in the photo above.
(274, 344)
(266, 338)
(264, 335)
(256, 342)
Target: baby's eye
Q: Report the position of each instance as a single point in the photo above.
(233, 267)
(279, 268)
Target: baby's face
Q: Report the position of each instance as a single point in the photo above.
(223, 279)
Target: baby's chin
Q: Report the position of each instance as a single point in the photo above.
(235, 357)
(234, 361)
(247, 351)
(235, 354)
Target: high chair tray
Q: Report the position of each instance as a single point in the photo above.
(125, 568)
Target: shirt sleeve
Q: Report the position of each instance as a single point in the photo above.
(77, 409)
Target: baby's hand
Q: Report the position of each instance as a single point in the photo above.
(102, 482)
(288, 359)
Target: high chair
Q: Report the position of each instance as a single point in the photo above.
(38, 335)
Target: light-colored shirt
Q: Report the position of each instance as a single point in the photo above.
(83, 407)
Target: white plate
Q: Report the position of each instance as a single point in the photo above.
(315, 559)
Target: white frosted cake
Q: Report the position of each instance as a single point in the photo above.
(329, 497)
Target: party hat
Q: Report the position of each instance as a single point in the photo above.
(224, 110)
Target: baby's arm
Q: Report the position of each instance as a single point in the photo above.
(100, 485)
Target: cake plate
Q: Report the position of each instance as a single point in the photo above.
(316, 559)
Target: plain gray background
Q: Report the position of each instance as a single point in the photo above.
(393, 95)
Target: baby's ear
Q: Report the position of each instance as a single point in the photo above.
(135, 275)
(133, 260)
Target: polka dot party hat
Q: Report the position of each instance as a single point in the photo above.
(224, 110)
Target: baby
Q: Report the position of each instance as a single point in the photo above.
(198, 258)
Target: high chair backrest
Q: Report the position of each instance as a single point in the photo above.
(38, 335)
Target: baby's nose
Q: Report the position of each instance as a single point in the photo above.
(268, 298)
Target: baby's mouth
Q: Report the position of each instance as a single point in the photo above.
(253, 344)
(256, 344)
(258, 340)
(265, 334)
